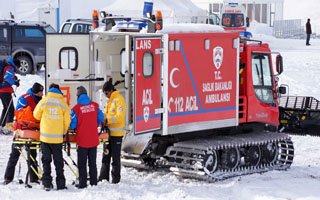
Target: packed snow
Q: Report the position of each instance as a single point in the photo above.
(301, 181)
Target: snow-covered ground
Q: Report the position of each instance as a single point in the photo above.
(301, 181)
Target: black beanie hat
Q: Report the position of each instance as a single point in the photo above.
(108, 86)
(37, 87)
(81, 90)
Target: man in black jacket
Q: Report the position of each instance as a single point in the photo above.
(308, 31)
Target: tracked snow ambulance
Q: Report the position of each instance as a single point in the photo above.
(200, 100)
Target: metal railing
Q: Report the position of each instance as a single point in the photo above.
(289, 29)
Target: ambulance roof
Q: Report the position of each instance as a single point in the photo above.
(176, 28)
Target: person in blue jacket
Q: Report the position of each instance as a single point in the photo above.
(85, 118)
(7, 80)
(25, 106)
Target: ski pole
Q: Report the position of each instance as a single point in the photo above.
(11, 101)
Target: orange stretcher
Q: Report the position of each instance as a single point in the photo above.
(34, 135)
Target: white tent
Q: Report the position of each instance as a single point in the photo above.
(54, 12)
(177, 11)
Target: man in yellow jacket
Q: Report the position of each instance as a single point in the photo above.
(115, 115)
(54, 115)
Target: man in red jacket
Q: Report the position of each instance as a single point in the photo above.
(85, 118)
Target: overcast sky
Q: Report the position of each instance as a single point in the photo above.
(303, 9)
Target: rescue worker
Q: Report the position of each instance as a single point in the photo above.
(54, 115)
(308, 31)
(25, 120)
(8, 79)
(85, 118)
(115, 115)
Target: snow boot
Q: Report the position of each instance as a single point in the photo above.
(7, 181)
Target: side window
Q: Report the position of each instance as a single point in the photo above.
(3, 34)
(24, 34)
(33, 33)
(81, 28)
(262, 78)
(90, 28)
(261, 73)
(148, 64)
(68, 58)
(66, 28)
(77, 28)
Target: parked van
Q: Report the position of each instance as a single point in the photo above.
(76, 26)
(25, 41)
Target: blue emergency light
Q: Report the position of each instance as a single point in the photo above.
(138, 24)
(246, 34)
(132, 25)
(232, 4)
(148, 7)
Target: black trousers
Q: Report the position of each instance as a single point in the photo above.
(12, 162)
(7, 103)
(54, 151)
(308, 38)
(114, 153)
(89, 154)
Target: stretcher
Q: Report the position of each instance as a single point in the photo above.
(30, 139)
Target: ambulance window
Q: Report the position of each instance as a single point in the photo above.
(68, 58)
(226, 20)
(207, 44)
(147, 64)
(171, 45)
(262, 78)
(177, 45)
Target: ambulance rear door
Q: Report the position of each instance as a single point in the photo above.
(67, 63)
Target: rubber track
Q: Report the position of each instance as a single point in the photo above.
(190, 166)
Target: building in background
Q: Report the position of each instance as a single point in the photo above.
(263, 11)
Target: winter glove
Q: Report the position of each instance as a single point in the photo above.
(17, 83)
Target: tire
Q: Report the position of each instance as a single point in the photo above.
(26, 65)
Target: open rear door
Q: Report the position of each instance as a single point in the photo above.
(147, 82)
(67, 63)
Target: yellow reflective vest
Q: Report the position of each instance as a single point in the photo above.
(54, 115)
(115, 113)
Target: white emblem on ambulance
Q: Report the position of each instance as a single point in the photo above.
(217, 57)
(146, 113)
